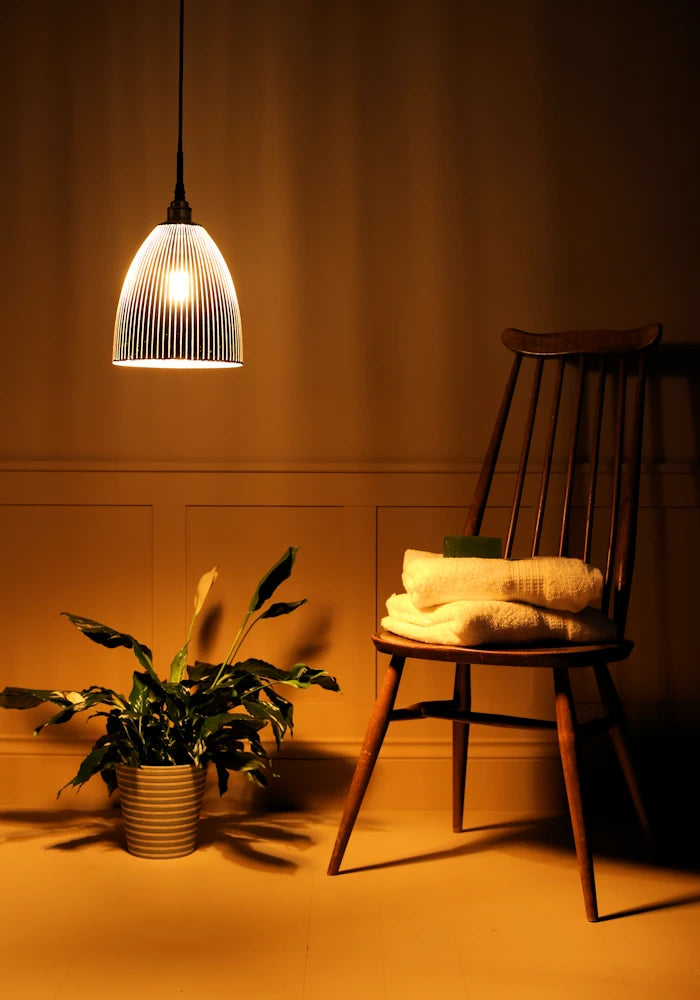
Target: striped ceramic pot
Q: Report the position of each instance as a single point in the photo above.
(160, 808)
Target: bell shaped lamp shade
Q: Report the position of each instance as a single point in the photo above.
(178, 306)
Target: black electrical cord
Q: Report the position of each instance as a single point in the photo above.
(179, 210)
(180, 183)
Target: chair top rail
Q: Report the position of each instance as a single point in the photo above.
(581, 341)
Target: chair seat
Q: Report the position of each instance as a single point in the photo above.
(555, 655)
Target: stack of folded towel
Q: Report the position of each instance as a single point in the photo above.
(474, 602)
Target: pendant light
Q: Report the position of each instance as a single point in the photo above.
(178, 307)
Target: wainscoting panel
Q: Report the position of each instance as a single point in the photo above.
(126, 545)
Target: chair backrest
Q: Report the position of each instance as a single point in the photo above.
(581, 414)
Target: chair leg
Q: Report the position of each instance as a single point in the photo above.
(460, 744)
(566, 733)
(618, 735)
(374, 737)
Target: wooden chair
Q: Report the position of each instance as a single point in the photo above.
(598, 471)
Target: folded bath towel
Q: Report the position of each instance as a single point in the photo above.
(547, 581)
(477, 623)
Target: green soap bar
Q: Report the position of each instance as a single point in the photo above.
(460, 546)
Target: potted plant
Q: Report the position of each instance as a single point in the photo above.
(160, 738)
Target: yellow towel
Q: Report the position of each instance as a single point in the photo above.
(478, 623)
(547, 581)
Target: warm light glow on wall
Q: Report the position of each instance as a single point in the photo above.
(178, 306)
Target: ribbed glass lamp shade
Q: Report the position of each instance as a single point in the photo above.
(178, 307)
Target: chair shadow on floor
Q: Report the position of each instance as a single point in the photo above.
(672, 796)
(675, 849)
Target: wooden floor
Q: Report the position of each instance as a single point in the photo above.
(492, 913)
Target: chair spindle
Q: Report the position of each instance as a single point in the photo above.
(549, 451)
(524, 454)
(472, 524)
(594, 455)
(571, 463)
(627, 531)
(617, 478)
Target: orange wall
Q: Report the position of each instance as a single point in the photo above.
(392, 183)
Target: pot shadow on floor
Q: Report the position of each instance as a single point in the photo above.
(267, 827)
(256, 840)
(84, 829)
(258, 828)
(264, 841)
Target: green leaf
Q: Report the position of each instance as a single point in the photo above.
(109, 777)
(282, 608)
(177, 700)
(230, 731)
(270, 713)
(213, 723)
(247, 763)
(106, 636)
(272, 579)
(65, 715)
(256, 668)
(145, 658)
(242, 726)
(177, 667)
(105, 696)
(15, 697)
(201, 670)
(222, 776)
(103, 634)
(301, 676)
(325, 681)
(255, 773)
(285, 707)
(91, 765)
(138, 699)
(70, 702)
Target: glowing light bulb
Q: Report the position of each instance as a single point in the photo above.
(178, 286)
